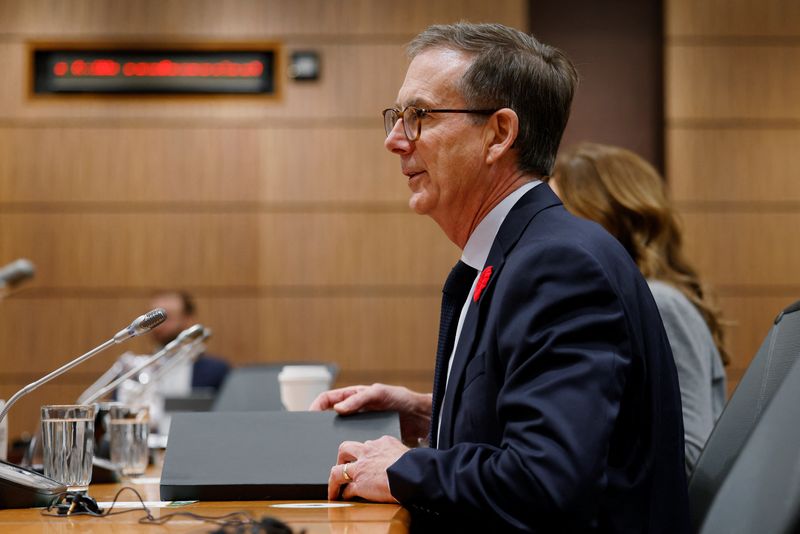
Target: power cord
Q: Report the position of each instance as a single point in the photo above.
(76, 503)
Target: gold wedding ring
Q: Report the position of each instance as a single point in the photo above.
(347, 477)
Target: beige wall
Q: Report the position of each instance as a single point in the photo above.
(733, 154)
(286, 218)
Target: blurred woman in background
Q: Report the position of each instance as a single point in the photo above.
(619, 190)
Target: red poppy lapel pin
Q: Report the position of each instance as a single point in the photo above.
(483, 281)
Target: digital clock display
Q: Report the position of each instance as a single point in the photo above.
(153, 71)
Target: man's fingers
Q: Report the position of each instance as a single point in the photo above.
(335, 482)
(340, 481)
(349, 451)
(364, 397)
(327, 399)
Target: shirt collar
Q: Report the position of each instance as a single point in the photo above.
(480, 242)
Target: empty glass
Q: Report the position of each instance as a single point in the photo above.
(68, 444)
(130, 426)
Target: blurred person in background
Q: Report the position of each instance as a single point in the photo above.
(208, 371)
(619, 190)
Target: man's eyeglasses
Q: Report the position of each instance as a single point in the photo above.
(412, 118)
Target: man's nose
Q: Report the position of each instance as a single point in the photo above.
(397, 142)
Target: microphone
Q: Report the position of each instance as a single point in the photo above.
(14, 273)
(139, 325)
(195, 347)
(185, 337)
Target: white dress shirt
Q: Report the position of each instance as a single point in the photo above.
(475, 253)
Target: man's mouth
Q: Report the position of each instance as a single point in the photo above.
(412, 174)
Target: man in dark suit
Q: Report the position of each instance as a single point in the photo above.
(208, 371)
(556, 405)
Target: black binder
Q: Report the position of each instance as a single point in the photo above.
(247, 456)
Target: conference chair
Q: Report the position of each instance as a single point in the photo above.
(764, 375)
(762, 490)
(255, 388)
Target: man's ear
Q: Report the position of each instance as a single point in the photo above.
(500, 133)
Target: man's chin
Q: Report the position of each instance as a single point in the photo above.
(418, 205)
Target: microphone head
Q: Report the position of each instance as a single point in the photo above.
(16, 272)
(142, 324)
(149, 320)
(190, 334)
(207, 333)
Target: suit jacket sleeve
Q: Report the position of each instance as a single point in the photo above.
(557, 351)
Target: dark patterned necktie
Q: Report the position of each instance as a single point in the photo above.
(454, 293)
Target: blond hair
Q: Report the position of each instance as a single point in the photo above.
(627, 196)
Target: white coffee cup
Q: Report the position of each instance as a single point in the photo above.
(300, 385)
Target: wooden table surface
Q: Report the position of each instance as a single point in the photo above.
(342, 517)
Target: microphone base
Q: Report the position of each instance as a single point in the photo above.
(24, 488)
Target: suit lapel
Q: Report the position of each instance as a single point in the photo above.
(520, 216)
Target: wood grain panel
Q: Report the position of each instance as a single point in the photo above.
(185, 165)
(117, 250)
(732, 18)
(366, 335)
(329, 165)
(744, 249)
(733, 164)
(227, 18)
(732, 82)
(128, 164)
(358, 249)
(39, 335)
(229, 250)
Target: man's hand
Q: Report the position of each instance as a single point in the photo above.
(366, 464)
(414, 408)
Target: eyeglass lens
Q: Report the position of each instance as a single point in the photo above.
(410, 122)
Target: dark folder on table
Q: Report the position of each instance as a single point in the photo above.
(246, 456)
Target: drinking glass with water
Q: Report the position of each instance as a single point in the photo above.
(68, 444)
(130, 426)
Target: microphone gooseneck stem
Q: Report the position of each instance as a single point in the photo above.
(61, 370)
(126, 375)
(188, 353)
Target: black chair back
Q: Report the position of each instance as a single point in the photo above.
(764, 375)
(762, 490)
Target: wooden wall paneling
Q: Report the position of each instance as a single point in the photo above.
(233, 18)
(353, 249)
(733, 18)
(101, 250)
(330, 164)
(742, 165)
(235, 320)
(39, 334)
(744, 249)
(113, 165)
(198, 165)
(94, 250)
(717, 82)
(380, 333)
(732, 118)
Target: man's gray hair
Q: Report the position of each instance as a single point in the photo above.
(512, 70)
